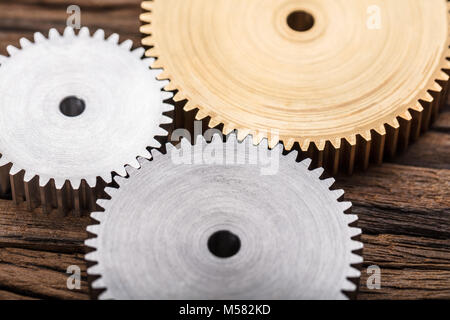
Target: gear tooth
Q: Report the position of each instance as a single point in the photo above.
(264, 144)
(353, 273)
(232, 139)
(189, 106)
(304, 145)
(158, 132)
(134, 163)
(427, 97)
(348, 286)
(442, 76)
(146, 17)
(435, 87)
(320, 145)
(91, 181)
(329, 182)
(127, 45)
(406, 116)
(99, 284)
(366, 135)
(99, 34)
(12, 50)
(53, 34)
(121, 171)
(102, 203)
(381, 130)
(59, 183)
(4, 161)
(213, 123)
(356, 259)
(351, 139)
(69, 32)
(112, 191)
(338, 193)
(28, 176)
(94, 229)
(242, 134)
(149, 62)
(336, 142)
(130, 170)
(107, 177)
(170, 147)
(144, 154)
(306, 163)
(147, 5)
(43, 181)
(166, 96)
(394, 123)
(114, 38)
(84, 32)
(139, 53)
(273, 141)
(166, 120)
(200, 115)
(14, 170)
(217, 138)
(345, 205)
(91, 243)
(97, 215)
(292, 155)
(289, 144)
(351, 218)
(38, 37)
(318, 172)
(148, 41)
(157, 64)
(143, 160)
(417, 107)
(156, 154)
(91, 256)
(146, 29)
(228, 128)
(257, 138)
(200, 140)
(355, 232)
(25, 43)
(170, 87)
(356, 245)
(178, 97)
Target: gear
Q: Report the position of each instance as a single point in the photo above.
(343, 81)
(212, 224)
(75, 108)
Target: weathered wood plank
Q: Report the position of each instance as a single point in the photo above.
(39, 274)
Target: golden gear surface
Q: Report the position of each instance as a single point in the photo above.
(346, 91)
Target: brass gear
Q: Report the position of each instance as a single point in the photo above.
(341, 90)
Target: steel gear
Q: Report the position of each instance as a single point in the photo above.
(214, 225)
(75, 109)
(344, 81)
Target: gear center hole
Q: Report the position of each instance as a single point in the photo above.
(72, 106)
(300, 21)
(224, 244)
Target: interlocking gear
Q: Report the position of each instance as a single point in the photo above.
(345, 81)
(74, 109)
(202, 222)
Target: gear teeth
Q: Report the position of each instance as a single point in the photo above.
(53, 34)
(84, 33)
(127, 44)
(146, 17)
(318, 172)
(138, 52)
(114, 38)
(99, 34)
(39, 37)
(146, 29)
(148, 41)
(67, 195)
(338, 193)
(25, 43)
(307, 163)
(147, 5)
(69, 32)
(12, 51)
(289, 144)
(329, 182)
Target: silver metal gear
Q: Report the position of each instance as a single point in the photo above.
(206, 230)
(75, 108)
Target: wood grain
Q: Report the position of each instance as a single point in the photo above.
(403, 205)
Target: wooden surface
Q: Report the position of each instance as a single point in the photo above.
(403, 205)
